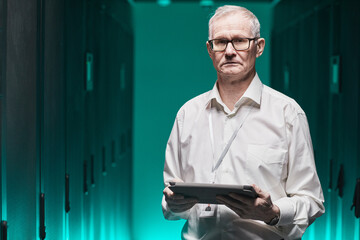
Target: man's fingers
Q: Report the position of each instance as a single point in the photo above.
(167, 192)
(174, 197)
(239, 209)
(171, 195)
(179, 200)
(223, 199)
(182, 201)
(250, 208)
(260, 193)
(230, 202)
(180, 205)
(181, 208)
(243, 199)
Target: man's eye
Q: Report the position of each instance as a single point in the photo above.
(239, 40)
(221, 41)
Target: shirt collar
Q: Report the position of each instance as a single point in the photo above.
(214, 94)
(253, 92)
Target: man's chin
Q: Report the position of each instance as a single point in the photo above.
(231, 72)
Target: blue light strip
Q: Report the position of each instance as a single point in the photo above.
(66, 227)
(3, 193)
(357, 229)
(3, 189)
(328, 218)
(339, 219)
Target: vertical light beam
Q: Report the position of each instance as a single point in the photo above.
(339, 220)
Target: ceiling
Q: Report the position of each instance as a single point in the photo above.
(208, 1)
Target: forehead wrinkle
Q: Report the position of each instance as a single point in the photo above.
(230, 35)
(231, 31)
(225, 25)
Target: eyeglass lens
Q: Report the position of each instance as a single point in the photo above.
(238, 44)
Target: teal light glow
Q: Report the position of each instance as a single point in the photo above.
(124, 231)
(112, 234)
(91, 224)
(339, 219)
(103, 234)
(163, 3)
(83, 229)
(206, 3)
(328, 220)
(3, 208)
(312, 231)
(66, 227)
(356, 229)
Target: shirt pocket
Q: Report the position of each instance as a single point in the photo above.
(265, 165)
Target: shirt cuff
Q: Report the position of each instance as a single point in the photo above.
(286, 211)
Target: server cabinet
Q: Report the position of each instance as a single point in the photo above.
(323, 79)
(22, 127)
(74, 67)
(349, 111)
(65, 164)
(2, 122)
(53, 119)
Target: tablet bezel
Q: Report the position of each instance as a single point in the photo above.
(206, 192)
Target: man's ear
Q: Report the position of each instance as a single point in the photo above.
(260, 47)
(209, 49)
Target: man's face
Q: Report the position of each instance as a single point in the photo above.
(231, 62)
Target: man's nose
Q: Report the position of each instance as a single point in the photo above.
(229, 50)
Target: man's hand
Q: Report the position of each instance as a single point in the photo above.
(260, 208)
(176, 202)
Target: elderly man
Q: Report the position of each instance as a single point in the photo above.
(244, 133)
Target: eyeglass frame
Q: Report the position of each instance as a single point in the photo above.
(227, 42)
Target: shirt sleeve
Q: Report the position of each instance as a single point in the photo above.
(304, 201)
(172, 167)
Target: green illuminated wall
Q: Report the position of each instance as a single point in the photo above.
(171, 66)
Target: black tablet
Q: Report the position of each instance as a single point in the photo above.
(206, 192)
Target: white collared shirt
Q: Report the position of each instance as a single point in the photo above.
(272, 149)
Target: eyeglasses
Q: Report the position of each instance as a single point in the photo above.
(239, 44)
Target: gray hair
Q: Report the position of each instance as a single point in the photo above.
(227, 9)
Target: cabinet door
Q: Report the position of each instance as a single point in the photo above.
(22, 129)
(74, 115)
(350, 110)
(53, 119)
(2, 115)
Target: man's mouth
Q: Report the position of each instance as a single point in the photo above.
(230, 63)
